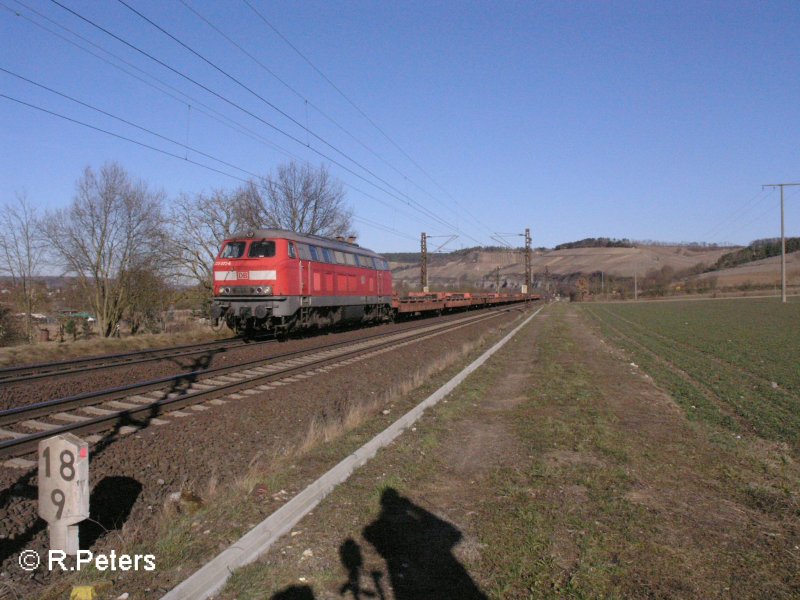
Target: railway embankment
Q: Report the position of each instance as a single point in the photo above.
(166, 486)
(558, 470)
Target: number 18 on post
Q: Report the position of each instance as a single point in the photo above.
(64, 489)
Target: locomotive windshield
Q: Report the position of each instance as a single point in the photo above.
(232, 250)
(262, 249)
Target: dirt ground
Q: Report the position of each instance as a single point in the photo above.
(557, 470)
(208, 454)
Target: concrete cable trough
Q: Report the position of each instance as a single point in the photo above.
(210, 578)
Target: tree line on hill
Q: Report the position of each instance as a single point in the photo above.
(126, 245)
(757, 250)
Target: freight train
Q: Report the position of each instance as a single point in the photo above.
(277, 280)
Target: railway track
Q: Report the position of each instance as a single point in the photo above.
(129, 408)
(92, 363)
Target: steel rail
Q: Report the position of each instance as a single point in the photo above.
(178, 398)
(107, 361)
(31, 411)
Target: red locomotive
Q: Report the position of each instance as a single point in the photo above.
(277, 280)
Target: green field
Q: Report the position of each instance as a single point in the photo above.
(733, 363)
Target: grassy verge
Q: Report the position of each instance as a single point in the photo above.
(53, 351)
(555, 471)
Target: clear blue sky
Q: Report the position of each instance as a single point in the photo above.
(646, 120)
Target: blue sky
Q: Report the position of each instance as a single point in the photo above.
(646, 120)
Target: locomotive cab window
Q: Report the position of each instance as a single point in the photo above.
(232, 250)
(292, 253)
(304, 251)
(263, 249)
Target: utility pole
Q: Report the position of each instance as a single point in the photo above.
(636, 285)
(423, 262)
(497, 280)
(423, 255)
(498, 237)
(527, 260)
(783, 237)
(547, 283)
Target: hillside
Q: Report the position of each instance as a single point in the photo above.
(764, 272)
(476, 268)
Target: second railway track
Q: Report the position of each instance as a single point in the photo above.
(38, 371)
(139, 405)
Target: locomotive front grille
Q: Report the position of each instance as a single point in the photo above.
(245, 290)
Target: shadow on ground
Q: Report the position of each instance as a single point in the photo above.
(417, 547)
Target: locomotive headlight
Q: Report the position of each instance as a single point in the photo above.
(267, 289)
(226, 290)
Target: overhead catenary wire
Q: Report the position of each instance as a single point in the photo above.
(221, 119)
(185, 99)
(248, 112)
(360, 111)
(119, 136)
(189, 99)
(286, 115)
(177, 156)
(127, 122)
(314, 106)
(209, 112)
(385, 228)
(156, 134)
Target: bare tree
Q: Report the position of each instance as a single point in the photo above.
(22, 247)
(298, 198)
(113, 228)
(148, 299)
(199, 224)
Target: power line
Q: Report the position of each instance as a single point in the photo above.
(221, 119)
(250, 113)
(359, 110)
(297, 93)
(224, 120)
(211, 114)
(126, 122)
(382, 227)
(308, 102)
(161, 151)
(736, 214)
(121, 137)
(277, 109)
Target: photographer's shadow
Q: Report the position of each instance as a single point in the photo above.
(418, 549)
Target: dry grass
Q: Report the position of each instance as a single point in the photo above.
(54, 351)
(324, 430)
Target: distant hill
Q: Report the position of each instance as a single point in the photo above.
(477, 268)
(757, 250)
(596, 243)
